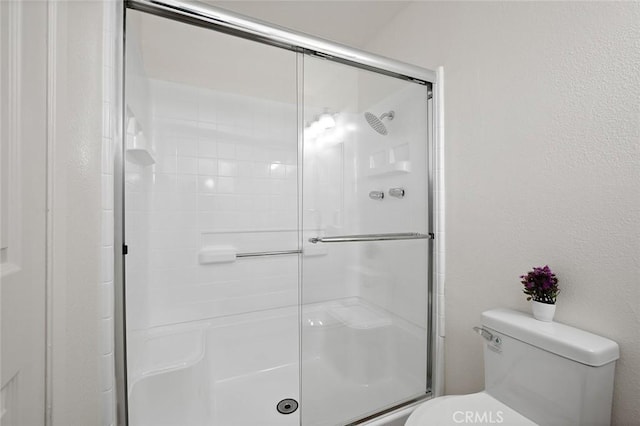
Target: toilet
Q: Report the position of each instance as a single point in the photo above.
(536, 372)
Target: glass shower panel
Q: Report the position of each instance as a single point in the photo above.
(365, 247)
(211, 224)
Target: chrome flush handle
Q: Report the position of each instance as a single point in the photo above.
(487, 335)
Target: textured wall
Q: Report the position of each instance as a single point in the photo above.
(75, 149)
(543, 165)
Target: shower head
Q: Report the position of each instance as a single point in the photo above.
(376, 122)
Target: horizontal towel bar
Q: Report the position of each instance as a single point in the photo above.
(372, 237)
(268, 253)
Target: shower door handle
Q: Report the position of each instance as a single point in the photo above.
(373, 237)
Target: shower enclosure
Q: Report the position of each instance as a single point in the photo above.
(277, 225)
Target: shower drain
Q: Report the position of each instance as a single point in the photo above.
(287, 406)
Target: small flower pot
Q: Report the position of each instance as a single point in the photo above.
(543, 311)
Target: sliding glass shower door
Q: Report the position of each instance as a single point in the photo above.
(211, 206)
(276, 227)
(365, 243)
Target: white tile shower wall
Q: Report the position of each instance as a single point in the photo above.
(137, 202)
(397, 271)
(138, 179)
(226, 174)
(330, 270)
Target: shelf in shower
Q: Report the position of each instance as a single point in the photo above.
(399, 167)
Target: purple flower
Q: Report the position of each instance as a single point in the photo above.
(541, 285)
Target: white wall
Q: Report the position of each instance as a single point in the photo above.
(76, 70)
(542, 165)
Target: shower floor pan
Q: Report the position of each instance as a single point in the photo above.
(234, 371)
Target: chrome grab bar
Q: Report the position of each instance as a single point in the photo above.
(268, 253)
(373, 237)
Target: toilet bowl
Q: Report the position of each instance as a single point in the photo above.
(535, 373)
(475, 408)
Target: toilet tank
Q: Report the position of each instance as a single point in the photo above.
(551, 373)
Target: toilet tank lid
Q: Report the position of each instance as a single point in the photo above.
(560, 339)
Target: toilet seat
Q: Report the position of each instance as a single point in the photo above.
(473, 409)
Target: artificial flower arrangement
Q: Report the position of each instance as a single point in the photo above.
(541, 285)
